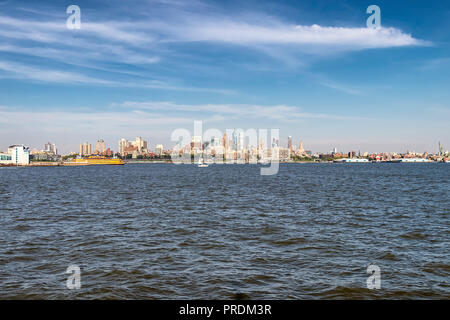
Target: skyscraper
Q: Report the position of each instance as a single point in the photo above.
(235, 140)
(123, 143)
(50, 148)
(289, 145)
(241, 140)
(100, 146)
(85, 149)
(300, 150)
(140, 144)
(225, 142)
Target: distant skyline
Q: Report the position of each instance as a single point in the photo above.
(144, 68)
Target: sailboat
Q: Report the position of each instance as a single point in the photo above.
(201, 163)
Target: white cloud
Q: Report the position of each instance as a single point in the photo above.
(312, 36)
(15, 70)
(236, 111)
(20, 71)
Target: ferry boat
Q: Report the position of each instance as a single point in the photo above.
(93, 160)
(410, 160)
(351, 160)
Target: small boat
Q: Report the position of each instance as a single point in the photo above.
(201, 163)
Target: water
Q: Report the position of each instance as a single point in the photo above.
(161, 231)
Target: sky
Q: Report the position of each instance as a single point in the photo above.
(311, 69)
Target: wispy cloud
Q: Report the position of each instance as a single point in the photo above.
(21, 71)
(236, 111)
(144, 40)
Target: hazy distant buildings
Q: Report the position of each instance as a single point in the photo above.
(301, 150)
(123, 143)
(85, 149)
(289, 144)
(159, 150)
(50, 148)
(225, 142)
(100, 147)
(135, 148)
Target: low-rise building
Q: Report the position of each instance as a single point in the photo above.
(5, 158)
(17, 155)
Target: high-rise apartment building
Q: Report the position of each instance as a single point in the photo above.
(289, 144)
(225, 141)
(123, 144)
(159, 149)
(50, 148)
(139, 146)
(100, 146)
(85, 149)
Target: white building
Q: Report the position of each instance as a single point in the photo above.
(159, 149)
(17, 155)
(5, 158)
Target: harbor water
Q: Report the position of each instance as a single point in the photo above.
(164, 231)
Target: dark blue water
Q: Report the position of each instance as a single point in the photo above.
(162, 231)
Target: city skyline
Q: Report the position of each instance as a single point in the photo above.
(314, 71)
(238, 141)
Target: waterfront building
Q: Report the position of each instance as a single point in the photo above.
(20, 155)
(44, 156)
(5, 158)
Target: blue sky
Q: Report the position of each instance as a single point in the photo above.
(144, 68)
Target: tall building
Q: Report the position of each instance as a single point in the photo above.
(289, 144)
(274, 142)
(100, 146)
(159, 149)
(50, 148)
(140, 144)
(215, 142)
(301, 150)
(235, 140)
(241, 140)
(225, 142)
(196, 144)
(85, 149)
(137, 147)
(123, 144)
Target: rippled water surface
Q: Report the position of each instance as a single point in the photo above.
(162, 231)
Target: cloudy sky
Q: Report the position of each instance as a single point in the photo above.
(144, 68)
